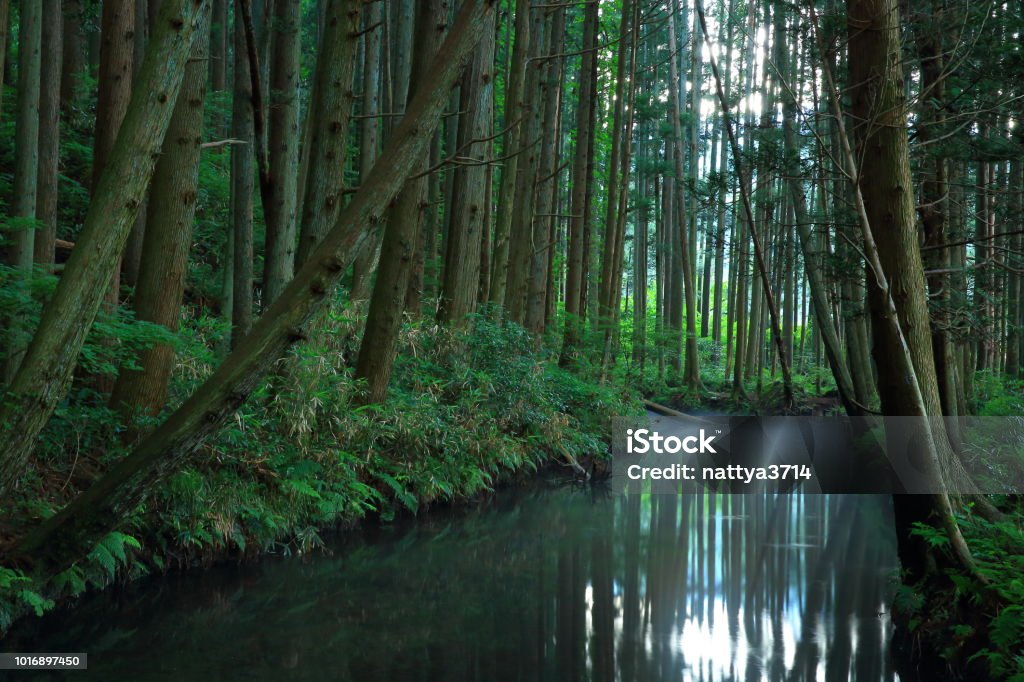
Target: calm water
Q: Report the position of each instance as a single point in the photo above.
(550, 583)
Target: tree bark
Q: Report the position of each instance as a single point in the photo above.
(45, 374)
(242, 169)
(384, 320)
(26, 168)
(329, 111)
(369, 138)
(171, 209)
(582, 187)
(68, 534)
(49, 133)
(461, 278)
(283, 150)
(513, 115)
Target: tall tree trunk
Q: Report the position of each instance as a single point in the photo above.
(26, 168)
(330, 110)
(45, 373)
(369, 139)
(810, 244)
(218, 59)
(66, 535)
(582, 184)
(49, 133)
(26, 146)
(72, 49)
(384, 319)
(462, 256)
(608, 284)
(171, 209)
(544, 206)
(116, 70)
(513, 116)
(882, 182)
(691, 365)
(521, 230)
(283, 149)
(242, 169)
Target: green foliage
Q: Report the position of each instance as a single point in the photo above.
(467, 409)
(998, 550)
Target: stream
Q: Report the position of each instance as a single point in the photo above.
(550, 581)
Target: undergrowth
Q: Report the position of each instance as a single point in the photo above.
(466, 409)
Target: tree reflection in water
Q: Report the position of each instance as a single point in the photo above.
(552, 583)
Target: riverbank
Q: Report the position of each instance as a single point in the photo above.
(467, 410)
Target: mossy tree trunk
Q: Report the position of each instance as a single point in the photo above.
(71, 532)
(45, 373)
(168, 238)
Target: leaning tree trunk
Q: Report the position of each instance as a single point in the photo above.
(384, 319)
(68, 534)
(899, 305)
(171, 208)
(45, 373)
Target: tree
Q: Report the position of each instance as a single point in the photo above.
(283, 147)
(49, 134)
(582, 186)
(100, 508)
(404, 222)
(45, 373)
(370, 129)
(242, 169)
(170, 212)
(330, 110)
(26, 161)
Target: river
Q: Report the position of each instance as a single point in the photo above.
(549, 581)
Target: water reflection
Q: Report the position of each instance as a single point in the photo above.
(548, 584)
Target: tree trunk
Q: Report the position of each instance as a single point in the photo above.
(49, 133)
(72, 49)
(369, 139)
(26, 146)
(171, 209)
(513, 115)
(384, 320)
(582, 187)
(26, 167)
(242, 169)
(45, 374)
(691, 365)
(462, 257)
(68, 534)
(544, 207)
(283, 149)
(330, 110)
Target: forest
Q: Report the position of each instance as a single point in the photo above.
(269, 268)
